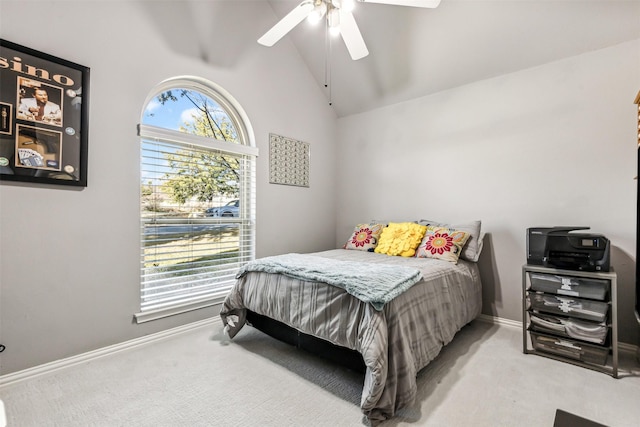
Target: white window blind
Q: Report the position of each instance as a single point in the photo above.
(190, 250)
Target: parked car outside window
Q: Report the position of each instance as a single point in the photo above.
(230, 209)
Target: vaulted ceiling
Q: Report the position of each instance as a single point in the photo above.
(416, 52)
(413, 52)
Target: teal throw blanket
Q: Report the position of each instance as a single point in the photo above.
(372, 283)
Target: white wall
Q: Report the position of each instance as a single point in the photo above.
(69, 259)
(551, 145)
(546, 146)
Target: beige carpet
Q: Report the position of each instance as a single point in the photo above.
(201, 379)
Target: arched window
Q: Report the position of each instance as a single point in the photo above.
(197, 196)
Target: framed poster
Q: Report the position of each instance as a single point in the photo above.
(44, 105)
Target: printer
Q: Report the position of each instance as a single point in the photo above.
(562, 247)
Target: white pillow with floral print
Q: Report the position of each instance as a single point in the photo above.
(473, 247)
(442, 243)
(365, 237)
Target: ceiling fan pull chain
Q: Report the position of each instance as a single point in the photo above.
(327, 59)
(330, 85)
(326, 52)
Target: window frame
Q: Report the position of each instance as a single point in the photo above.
(244, 147)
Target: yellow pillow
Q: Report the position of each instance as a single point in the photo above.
(400, 238)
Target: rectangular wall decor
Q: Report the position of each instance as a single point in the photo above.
(288, 161)
(44, 105)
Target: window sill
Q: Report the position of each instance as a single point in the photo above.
(149, 315)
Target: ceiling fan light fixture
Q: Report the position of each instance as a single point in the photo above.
(318, 12)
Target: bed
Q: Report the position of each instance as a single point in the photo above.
(394, 339)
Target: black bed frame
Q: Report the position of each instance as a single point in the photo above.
(346, 357)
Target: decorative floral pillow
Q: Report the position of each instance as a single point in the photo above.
(400, 238)
(471, 251)
(442, 243)
(364, 237)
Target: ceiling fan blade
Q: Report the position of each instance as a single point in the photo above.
(286, 24)
(414, 3)
(351, 36)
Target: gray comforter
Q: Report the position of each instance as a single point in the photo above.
(395, 342)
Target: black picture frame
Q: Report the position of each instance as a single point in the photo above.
(44, 117)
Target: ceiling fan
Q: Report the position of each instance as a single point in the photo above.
(339, 20)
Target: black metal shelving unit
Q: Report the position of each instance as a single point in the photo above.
(610, 365)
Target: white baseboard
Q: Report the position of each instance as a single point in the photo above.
(50, 367)
(623, 347)
(54, 366)
(500, 321)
